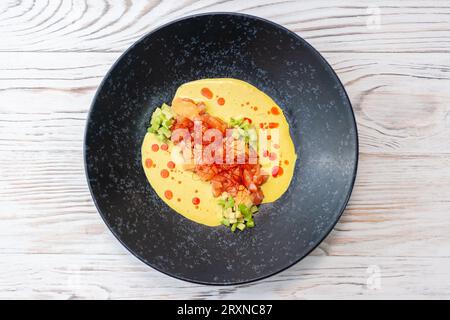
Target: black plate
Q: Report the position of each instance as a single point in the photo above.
(279, 63)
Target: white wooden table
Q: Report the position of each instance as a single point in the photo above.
(393, 241)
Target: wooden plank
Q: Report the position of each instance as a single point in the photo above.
(115, 277)
(401, 101)
(401, 212)
(331, 25)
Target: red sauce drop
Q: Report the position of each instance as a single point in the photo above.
(275, 111)
(273, 125)
(164, 147)
(148, 163)
(195, 201)
(273, 156)
(261, 125)
(248, 120)
(277, 171)
(170, 164)
(266, 153)
(286, 162)
(155, 147)
(207, 93)
(269, 137)
(221, 101)
(164, 173)
(168, 194)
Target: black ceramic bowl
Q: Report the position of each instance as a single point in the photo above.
(277, 62)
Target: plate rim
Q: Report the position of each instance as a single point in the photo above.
(313, 50)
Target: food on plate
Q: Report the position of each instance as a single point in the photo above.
(218, 151)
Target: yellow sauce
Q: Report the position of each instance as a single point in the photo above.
(230, 98)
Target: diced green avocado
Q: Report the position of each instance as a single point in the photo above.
(167, 111)
(243, 209)
(250, 224)
(161, 121)
(164, 131)
(156, 121)
(225, 222)
(241, 226)
(233, 227)
(165, 107)
(167, 123)
(161, 137)
(230, 202)
(235, 122)
(245, 125)
(157, 113)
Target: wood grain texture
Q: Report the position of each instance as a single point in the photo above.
(53, 55)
